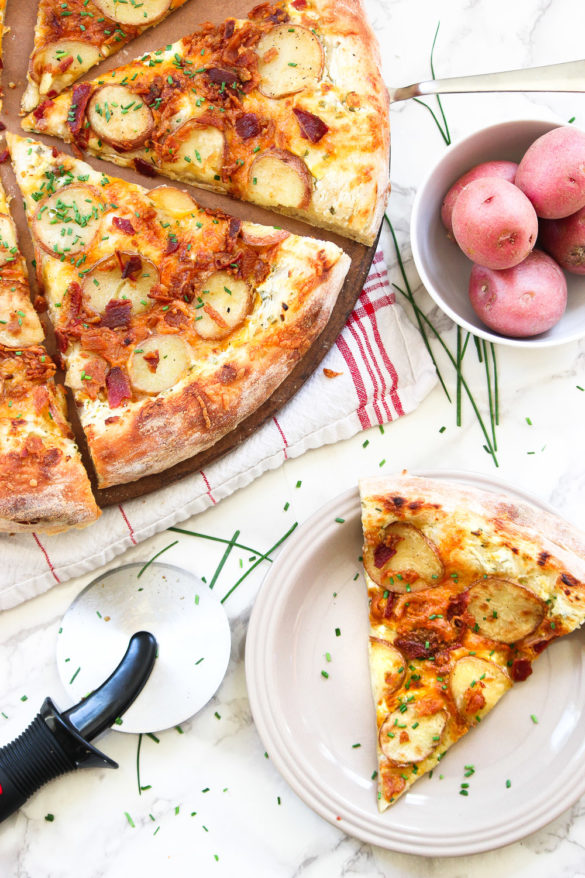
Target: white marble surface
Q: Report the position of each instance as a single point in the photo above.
(249, 819)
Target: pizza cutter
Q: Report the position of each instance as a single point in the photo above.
(155, 624)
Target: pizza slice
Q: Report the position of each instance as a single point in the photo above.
(466, 589)
(175, 322)
(73, 36)
(43, 485)
(286, 108)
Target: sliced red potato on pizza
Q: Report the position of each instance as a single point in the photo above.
(43, 485)
(174, 322)
(72, 37)
(466, 589)
(286, 108)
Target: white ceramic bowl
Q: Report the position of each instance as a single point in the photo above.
(443, 268)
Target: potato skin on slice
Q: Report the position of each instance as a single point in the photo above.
(262, 236)
(278, 177)
(477, 685)
(290, 59)
(138, 14)
(504, 610)
(403, 559)
(158, 363)
(68, 220)
(223, 303)
(119, 117)
(403, 744)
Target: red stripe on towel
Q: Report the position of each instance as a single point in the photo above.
(47, 559)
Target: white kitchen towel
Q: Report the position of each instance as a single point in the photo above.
(385, 372)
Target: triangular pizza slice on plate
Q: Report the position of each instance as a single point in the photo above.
(286, 108)
(175, 322)
(72, 36)
(466, 589)
(43, 485)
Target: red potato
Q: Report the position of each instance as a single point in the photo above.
(564, 239)
(494, 223)
(552, 173)
(503, 169)
(521, 301)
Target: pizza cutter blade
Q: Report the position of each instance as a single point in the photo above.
(183, 665)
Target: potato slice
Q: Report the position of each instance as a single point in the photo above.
(151, 375)
(121, 276)
(476, 685)
(8, 244)
(80, 370)
(278, 177)
(290, 58)
(403, 557)
(256, 235)
(503, 610)
(222, 304)
(63, 62)
(119, 117)
(138, 13)
(68, 220)
(198, 150)
(20, 326)
(174, 201)
(387, 668)
(406, 737)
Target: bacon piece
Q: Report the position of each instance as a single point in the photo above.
(39, 112)
(40, 304)
(299, 4)
(4, 156)
(223, 76)
(248, 125)
(172, 246)
(124, 225)
(233, 230)
(176, 317)
(118, 387)
(117, 314)
(75, 300)
(229, 28)
(521, 669)
(132, 266)
(152, 360)
(65, 63)
(144, 167)
(330, 373)
(474, 700)
(457, 605)
(95, 376)
(2, 125)
(312, 127)
(40, 398)
(61, 340)
(382, 554)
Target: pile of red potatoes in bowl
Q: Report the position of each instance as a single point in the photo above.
(522, 225)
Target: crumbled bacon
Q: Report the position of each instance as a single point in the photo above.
(39, 112)
(176, 317)
(75, 300)
(312, 127)
(299, 4)
(382, 554)
(4, 156)
(224, 77)
(95, 376)
(233, 230)
(521, 669)
(457, 605)
(144, 167)
(248, 125)
(132, 266)
(117, 314)
(152, 360)
(65, 63)
(172, 246)
(124, 225)
(118, 387)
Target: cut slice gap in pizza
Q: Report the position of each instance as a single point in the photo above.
(466, 589)
(72, 37)
(3, 30)
(43, 485)
(286, 109)
(175, 322)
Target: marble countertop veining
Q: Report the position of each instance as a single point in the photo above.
(216, 805)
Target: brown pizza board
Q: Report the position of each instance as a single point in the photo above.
(17, 46)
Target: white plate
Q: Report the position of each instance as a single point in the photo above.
(311, 725)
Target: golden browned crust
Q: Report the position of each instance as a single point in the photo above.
(165, 431)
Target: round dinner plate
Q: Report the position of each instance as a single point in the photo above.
(524, 765)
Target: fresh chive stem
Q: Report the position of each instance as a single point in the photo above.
(490, 395)
(433, 114)
(224, 558)
(447, 132)
(193, 533)
(154, 557)
(496, 389)
(478, 348)
(410, 298)
(424, 317)
(138, 763)
(459, 358)
(262, 557)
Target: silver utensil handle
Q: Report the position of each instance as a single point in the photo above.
(567, 77)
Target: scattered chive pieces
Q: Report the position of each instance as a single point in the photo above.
(340, 520)
(534, 719)
(328, 656)
(180, 730)
(218, 715)
(129, 819)
(286, 506)
(49, 818)
(355, 746)
(442, 430)
(74, 676)
(324, 674)
(338, 632)
(508, 784)
(24, 697)
(299, 483)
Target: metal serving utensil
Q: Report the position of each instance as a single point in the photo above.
(568, 77)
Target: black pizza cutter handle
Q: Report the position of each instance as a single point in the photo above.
(55, 743)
